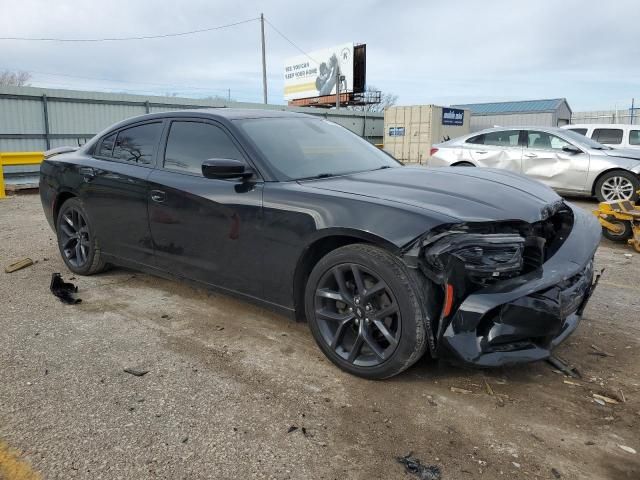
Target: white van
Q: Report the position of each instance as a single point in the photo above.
(615, 135)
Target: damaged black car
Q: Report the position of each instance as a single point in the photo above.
(385, 262)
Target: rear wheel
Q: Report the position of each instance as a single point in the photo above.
(364, 312)
(78, 245)
(617, 186)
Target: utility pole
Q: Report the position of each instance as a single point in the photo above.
(264, 61)
(338, 87)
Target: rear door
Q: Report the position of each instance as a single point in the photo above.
(205, 229)
(499, 149)
(545, 160)
(115, 190)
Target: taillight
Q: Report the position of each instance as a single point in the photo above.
(433, 152)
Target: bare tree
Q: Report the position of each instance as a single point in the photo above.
(14, 79)
(386, 100)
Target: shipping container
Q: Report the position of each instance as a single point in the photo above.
(409, 132)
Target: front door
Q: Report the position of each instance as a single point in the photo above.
(205, 229)
(545, 160)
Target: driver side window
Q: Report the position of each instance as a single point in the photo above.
(190, 143)
(545, 141)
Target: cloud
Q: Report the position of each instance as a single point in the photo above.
(424, 51)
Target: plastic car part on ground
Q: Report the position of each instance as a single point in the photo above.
(63, 290)
(414, 466)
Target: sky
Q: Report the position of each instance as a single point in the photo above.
(442, 52)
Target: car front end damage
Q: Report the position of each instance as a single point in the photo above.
(506, 291)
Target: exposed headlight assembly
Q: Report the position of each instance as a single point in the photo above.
(483, 258)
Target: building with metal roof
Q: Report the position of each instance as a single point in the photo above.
(553, 112)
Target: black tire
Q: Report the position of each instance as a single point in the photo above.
(625, 234)
(400, 293)
(630, 183)
(83, 259)
(464, 164)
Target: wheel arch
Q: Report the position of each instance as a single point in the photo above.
(464, 163)
(320, 246)
(59, 200)
(610, 170)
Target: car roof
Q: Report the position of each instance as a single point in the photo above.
(510, 127)
(601, 125)
(221, 114)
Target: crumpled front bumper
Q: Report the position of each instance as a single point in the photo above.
(523, 318)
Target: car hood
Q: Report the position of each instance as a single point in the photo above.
(462, 194)
(622, 153)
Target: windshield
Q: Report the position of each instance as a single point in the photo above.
(303, 148)
(585, 141)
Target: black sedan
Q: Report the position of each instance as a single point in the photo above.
(385, 262)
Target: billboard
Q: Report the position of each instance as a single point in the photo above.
(314, 75)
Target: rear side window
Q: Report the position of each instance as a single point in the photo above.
(191, 143)
(609, 136)
(137, 144)
(634, 137)
(477, 140)
(581, 131)
(502, 139)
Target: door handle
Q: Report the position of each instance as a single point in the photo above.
(481, 151)
(530, 155)
(88, 173)
(158, 196)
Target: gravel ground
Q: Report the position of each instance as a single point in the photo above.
(228, 380)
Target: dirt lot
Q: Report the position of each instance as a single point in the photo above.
(227, 380)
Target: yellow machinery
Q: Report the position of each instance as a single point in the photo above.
(620, 221)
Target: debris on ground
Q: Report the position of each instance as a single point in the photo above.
(560, 365)
(460, 390)
(136, 372)
(63, 290)
(292, 428)
(556, 473)
(599, 352)
(575, 384)
(488, 388)
(628, 449)
(415, 467)
(605, 399)
(19, 265)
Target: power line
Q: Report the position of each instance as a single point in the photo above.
(122, 39)
(290, 41)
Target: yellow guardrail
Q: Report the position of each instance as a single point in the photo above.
(14, 159)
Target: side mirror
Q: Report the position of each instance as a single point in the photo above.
(571, 149)
(225, 168)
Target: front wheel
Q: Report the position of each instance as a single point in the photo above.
(617, 185)
(364, 311)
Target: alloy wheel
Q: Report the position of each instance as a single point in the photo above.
(357, 314)
(617, 188)
(75, 239)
